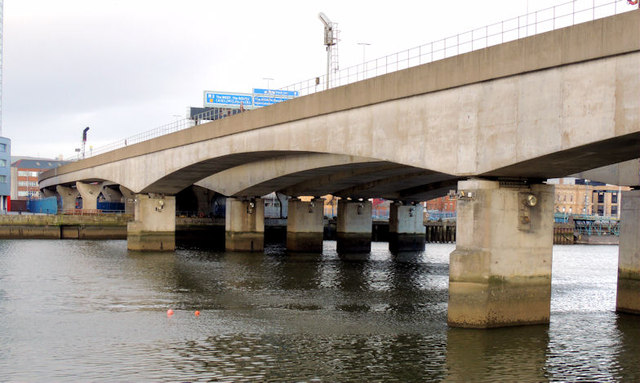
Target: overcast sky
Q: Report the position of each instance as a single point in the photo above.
(126, 66)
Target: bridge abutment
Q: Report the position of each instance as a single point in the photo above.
(244, 224)
(154, 226)
(406, 228)
(500, 271)
(305, 226)
(628, 294)
(353, 231)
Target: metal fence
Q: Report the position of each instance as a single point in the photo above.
(545, 20)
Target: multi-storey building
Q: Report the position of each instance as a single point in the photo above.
(24, 176)
(5, 174)
(576, 196)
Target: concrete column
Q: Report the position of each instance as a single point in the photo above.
(406, 228)
(111, 193)
(49, 193)
(154, 225)
(244, 224)
(129, 199)
(89, 194)
(500, 271)
(628, 296)
(353, 231)
(68, 197)
(305, 226)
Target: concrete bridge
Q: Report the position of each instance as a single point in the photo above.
(493, 123)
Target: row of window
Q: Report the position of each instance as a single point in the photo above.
(600, 197)
(27, 183)
(24, 173)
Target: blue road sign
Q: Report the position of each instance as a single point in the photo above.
(266, 100)
(229, 100)
(277, 92)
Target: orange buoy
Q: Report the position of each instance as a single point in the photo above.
(169, 312)
(197, 313)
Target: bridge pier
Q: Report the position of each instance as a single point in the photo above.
(353, 231)
(244, 224)
(305, 226)
(628, 295)
(500, 271)
(111, 193)
(154, 225)
(68, 197)
(129, 198)
(406, 228)
(89, 194)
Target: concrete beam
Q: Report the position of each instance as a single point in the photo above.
(154, 225)
(628, 295)
(623, 174)
(500, 271)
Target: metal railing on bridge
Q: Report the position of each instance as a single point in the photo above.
(532, 23)
(590, 224)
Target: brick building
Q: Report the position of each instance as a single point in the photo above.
(24, 176)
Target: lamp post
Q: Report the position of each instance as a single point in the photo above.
(329, 41)
(364, 46)
(84, 141)
(268, 79)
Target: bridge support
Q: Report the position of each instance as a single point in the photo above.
(89, 194)
(244, 224)
(353, 232)
(129, 198)
(111, 193)
(155, 223)
(68, 197)
(406, 228)
(500, 271)
(305, 226)
(628, 296)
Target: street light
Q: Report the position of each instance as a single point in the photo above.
(329, 41)
(268, 79)
(364, 45)
(84, 140)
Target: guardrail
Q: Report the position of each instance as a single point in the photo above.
(532, 23)
(545, 20)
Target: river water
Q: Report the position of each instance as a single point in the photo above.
(92, 311)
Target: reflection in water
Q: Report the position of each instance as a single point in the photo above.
(91, 310)
(516, 354)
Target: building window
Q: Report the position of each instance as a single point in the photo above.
(600, 210)
(614, 211)
(3, 163)
(3, 179)
(23, 193)
(24, 173)
(600, 197)
(614, 197)
(3, 148)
